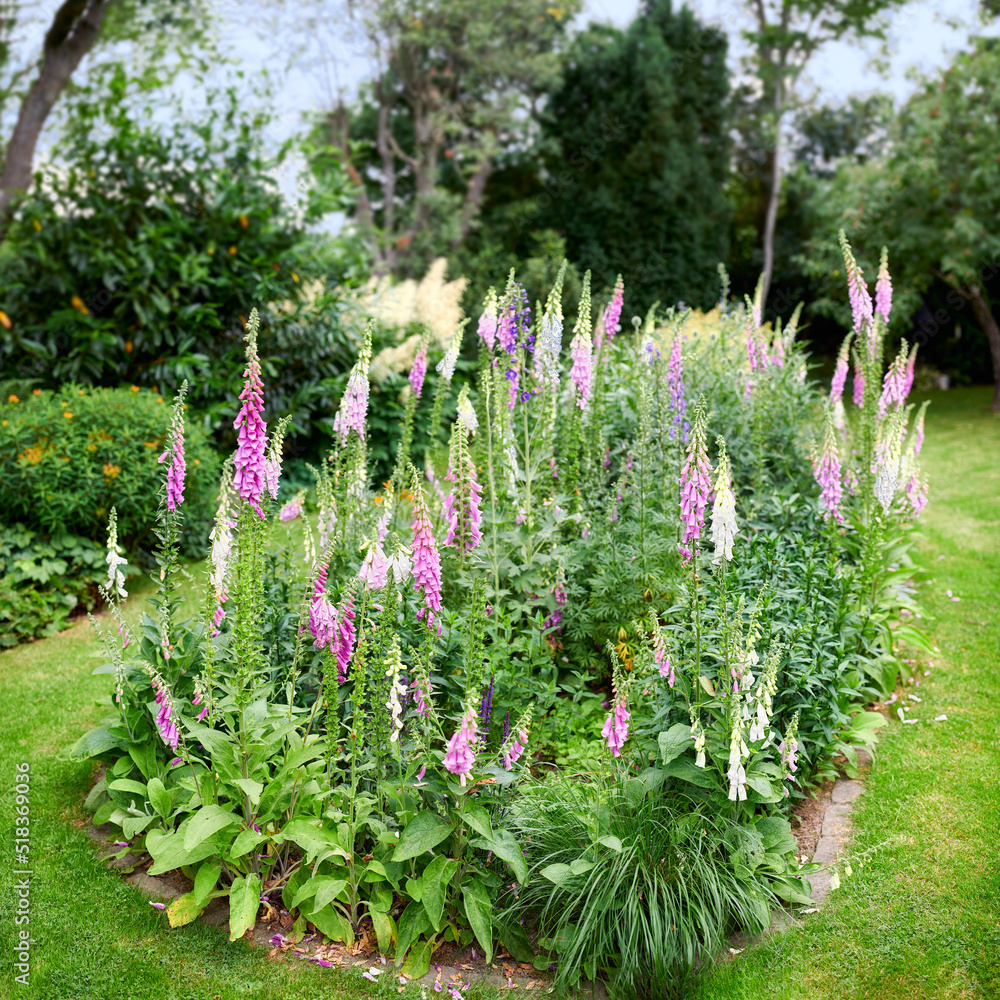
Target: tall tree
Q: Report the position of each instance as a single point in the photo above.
(75, 29)
(784, 36)
(454, 82)
(638, 153)
(934, 199)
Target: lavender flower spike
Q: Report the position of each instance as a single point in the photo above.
(580, 349)
(249, 461)
(826, 470)
(354, 404)
(419, 370)
(695, 485)
(883, 287)
(614, 310)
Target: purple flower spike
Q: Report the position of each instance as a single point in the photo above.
(614, 310)
(249, 461)
(419, 371)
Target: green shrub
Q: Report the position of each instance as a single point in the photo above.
(43, 580)
(68, 457)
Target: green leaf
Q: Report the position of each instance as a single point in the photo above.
(613, 843)
(412, 924)
(128, 785)
(558, 874)
(674, 741)
(144, 755)
(168, 851)
(479, 910)
(184, 909)
(706, 683)
(479, 819)
(506, 847)
(244, 901)
(327, 890)
(252, 788)
(762, 787)
(867, 720)
(425, 831)
(686, 770)
(434, 888)
(246, 841)
(332, 923)
(418, 962)
(311, 838)
(131, 825)
(205, 881)
(385, 929)
(515, 940)
(160, 799)
(207, 821)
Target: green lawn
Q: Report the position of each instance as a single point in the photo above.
(920, 921)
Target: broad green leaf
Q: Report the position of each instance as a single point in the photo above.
(244, 901)
(327, 890)
(311, 838)
(434, 882)
(425, 831)
(332, 923)
(251, 787)
(558, 874)
(184, 909)
(506, 847)
(674, 741)
(515, 940)
(762, 786)
(95, 742)
(706, 683)
(580, 867)
(868, 720)
(168, 851)
(144, 755)
(160, 799)
(207, 821)
(418, 962)
(479, 910)
(613, 843)
(413, 922)
(246, 840)
(205, 881)
(128, 786)
(385, 929)
(131, 825)
(479, 819)
(686, 770)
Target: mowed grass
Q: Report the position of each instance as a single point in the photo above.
(921, 920)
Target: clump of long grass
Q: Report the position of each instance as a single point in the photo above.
(626, 885)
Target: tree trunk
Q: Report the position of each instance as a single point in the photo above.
(771, 219)
(985, 318)
(473, 199)
(74, 29)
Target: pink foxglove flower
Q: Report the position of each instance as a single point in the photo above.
(354, 404)
(513, 748)
(916, 493)
(426, 560)
(164, 720)
(614, 310)
(221, 537)
(839, 380)
(419, 371)
(615, 729)
(459, 756)
(859, 383)
(488, 319)
(420, 698)
(695, 485)
(345, 636)
(293, 508)
(549, 342)
(883, 287)
(175, 452)
(462, 505)
(894, 387)
(318, 615)
(374, 572)
(857, 291)
(582, 371)
(826, 470)
(248, 463)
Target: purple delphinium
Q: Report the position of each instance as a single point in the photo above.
(675, 388)
(248, 463)
(486, 710)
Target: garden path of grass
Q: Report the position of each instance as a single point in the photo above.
(920, 921)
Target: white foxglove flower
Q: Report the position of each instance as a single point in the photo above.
(724, 528)
(466, 412)
(115, 559)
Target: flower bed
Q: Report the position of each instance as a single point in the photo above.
(672, 520)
